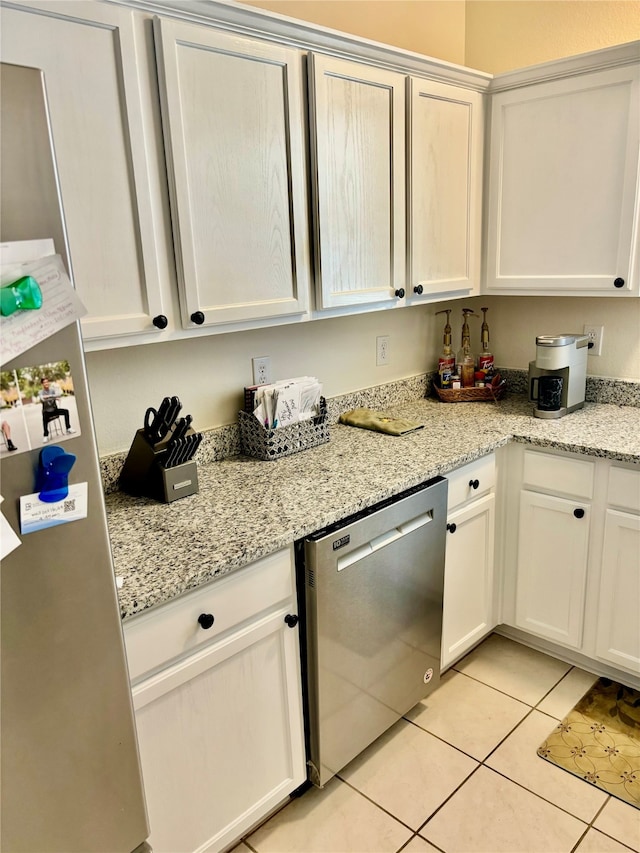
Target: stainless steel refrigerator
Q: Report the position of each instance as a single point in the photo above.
(71, 780)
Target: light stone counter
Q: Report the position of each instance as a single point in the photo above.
(246, 508)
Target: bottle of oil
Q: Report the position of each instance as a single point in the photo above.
(446, 360)
(465, 362)
(485, 359)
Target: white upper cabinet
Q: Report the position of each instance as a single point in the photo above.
(563, 186)
(445, 190)
(233, 118)
(89, 55)
(358, 150)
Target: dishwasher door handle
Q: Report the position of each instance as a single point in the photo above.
(354, 556)
(384, 539)
(415, 523)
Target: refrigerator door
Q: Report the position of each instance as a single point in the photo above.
(71, 780)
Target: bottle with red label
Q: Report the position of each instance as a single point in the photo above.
(446, 360)
(485, 359)
(466, 362)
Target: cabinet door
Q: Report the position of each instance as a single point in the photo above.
(445, 189)
(618, 631)
(562, 186)
(357, 122)
(221, 737)
(88, 53)
(468, 578)
(553, 539)
(233, 121)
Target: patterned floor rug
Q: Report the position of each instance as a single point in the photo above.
(599, 740)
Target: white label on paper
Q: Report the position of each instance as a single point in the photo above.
(8, 539)
(36, 514)
(61, 306)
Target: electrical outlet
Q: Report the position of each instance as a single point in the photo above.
(382, 349)
(261, 370)
(595, 334)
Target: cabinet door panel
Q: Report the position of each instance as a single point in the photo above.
(618, 627)
(563, 175)
(468, 614)
(445, 187)
(232, 112)
(221, 740)
(88, 55)
(552, 567)
(358, 125)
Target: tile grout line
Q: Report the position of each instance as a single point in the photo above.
(482, 763)
(453, 793)
(509, 695)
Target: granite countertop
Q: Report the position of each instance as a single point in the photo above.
(246, 508)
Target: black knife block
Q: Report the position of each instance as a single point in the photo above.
(144, 475)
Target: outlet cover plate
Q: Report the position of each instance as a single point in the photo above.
(595, 334)
(261, 370)
(382, 350)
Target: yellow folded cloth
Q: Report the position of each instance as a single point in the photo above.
(378, 421)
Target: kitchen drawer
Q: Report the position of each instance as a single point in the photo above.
(558, 474)
(624, 488)
(462, 481)
(159, 636)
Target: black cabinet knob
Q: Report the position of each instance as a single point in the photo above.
(579, 513)
(618, 282)
(206, 620)
(473, 484)
(291, 620)
(419, 289)
(400, 293)
(451, 528)
(160, 322)
(198, 318)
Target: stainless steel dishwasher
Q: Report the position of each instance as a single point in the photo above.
(371, 600)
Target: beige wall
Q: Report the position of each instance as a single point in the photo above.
(490, 35)
(209, 373)
(505, 34)
(434, 27)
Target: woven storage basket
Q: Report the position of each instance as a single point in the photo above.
(270, 444)
(468, 395)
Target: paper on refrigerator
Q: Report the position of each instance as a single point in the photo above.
(61, 305)
(9, 540)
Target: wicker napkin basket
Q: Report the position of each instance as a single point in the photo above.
(270, 444)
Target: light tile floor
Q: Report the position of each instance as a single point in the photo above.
(460, 774)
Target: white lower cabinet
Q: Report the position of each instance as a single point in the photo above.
(469, 612)
(553, 544)
(618, 621)
(571, 558)
(220, 730)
